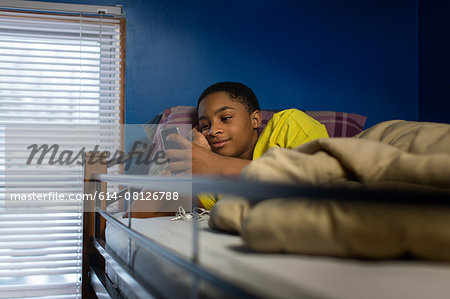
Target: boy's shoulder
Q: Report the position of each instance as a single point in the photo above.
(294, 115)
(288, 128)
(295, 120)
(289, 112)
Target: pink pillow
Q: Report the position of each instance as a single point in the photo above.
(338, 124)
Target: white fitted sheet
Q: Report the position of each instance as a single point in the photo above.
(286, 275)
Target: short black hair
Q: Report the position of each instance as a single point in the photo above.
(237, 91)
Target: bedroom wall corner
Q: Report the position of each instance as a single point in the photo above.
(434, 61)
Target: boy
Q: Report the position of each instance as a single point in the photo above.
(226, 138)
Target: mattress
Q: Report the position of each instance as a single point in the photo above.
(273, 275)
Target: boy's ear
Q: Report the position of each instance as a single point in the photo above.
(256, 118)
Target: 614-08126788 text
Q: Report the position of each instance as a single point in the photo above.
(143, 195)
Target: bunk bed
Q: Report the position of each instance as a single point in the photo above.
(158, 257)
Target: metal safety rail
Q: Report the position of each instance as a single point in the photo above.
(256, 191)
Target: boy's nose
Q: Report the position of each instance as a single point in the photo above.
(214, 130)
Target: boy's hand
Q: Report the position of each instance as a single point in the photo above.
(197, 159)
(194, 157)
(199, 139)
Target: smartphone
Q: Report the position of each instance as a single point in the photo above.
(169, 144)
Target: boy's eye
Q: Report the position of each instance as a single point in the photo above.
(226, 118)
(203, 127)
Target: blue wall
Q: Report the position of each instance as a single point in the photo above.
(354, 56)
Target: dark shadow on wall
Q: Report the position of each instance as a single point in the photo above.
(434, 60)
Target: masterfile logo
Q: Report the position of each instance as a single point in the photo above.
(51, 155)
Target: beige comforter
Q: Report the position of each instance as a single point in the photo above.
(394, 154)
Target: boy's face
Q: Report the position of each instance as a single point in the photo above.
(227, 126)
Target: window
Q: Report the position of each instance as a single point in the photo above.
(61, 82)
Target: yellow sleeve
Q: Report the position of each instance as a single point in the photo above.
(209, 199)
(289, 129)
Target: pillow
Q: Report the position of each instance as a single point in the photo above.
(338, 124)
(151, 126)
(178, 115)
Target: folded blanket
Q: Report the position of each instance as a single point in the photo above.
(398, 154)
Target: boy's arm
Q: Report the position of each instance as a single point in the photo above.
(201, 160)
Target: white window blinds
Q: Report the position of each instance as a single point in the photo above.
(60, 83)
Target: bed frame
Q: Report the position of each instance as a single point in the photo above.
(96, 254)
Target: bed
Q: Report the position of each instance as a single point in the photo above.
(158, 257)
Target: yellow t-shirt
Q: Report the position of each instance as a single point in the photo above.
(286, 129)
